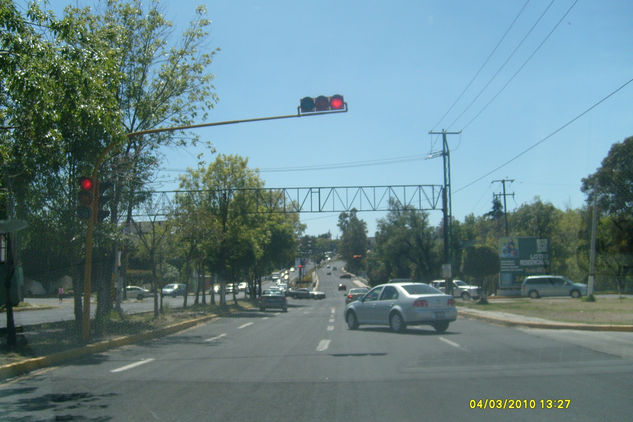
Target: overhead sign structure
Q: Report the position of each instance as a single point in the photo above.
(521, 257)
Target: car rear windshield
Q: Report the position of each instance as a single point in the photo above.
(420, 289)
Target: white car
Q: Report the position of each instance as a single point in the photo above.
(460, 289)
(137, 292)
(402, 304)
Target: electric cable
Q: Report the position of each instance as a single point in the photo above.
(531, 147)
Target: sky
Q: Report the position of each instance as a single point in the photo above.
(508, 74)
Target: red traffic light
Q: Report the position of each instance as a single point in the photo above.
(85, 183)
(337, 103)
(322, 103)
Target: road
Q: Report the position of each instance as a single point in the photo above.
(305, 365)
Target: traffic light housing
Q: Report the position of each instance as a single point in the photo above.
(322, 104)
(86, 188)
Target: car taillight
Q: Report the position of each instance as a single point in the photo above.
(451, 302)
(349, 296)
(420, 303)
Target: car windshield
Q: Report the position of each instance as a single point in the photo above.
(440, 152)
(420, 289)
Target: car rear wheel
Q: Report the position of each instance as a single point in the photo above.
(139, 297)
(534, 294)
(441, 326)
(575, 294)
(396, 322)
(352, 321)
(466, 296)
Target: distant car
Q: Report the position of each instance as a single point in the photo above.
(273, 298)
(242, 286)
(301, 293)
(402, 304)
(329, 273)
(342, 286)
(174, 290)
(551, 285)
(317, 295)
(460, 289)
(346, 275)
(333, 268)
(137, 292)
(355, 294)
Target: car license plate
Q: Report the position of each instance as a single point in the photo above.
(439, 315)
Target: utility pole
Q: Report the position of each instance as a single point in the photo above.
(447, 208)
(504, 194)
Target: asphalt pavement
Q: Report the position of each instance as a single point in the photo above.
(305, 365)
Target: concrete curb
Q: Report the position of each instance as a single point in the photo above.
(546, 325)
(19, 368)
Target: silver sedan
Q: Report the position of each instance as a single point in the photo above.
(402, 304)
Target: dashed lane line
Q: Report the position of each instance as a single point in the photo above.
(245, 325)
(452, 343)
(215, 338)
(323, 345)
(132, 365)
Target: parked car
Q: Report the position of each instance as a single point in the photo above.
(301, 293)
(317, 295)
(137, 292)
(273, 298)
(346, 275)
(402, 304)
(242, 286)
(536, 286)
(174, 290)
(460, 289)
(355, 294)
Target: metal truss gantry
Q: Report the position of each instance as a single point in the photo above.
(309, 199)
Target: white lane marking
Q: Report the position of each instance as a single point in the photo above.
(330, 328)
(265, 318)
(323, 345)
(452, 343)
(244, 325)
(331, 320)
(132, 365)
(332, 310)
(216, 337)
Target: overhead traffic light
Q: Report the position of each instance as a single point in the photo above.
(322, 103)
(84, 210)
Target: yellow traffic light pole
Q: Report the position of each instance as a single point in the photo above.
(85, 323)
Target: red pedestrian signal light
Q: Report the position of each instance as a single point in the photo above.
(322, 104)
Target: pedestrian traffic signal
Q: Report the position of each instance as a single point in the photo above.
(322, 103)
(84, 210)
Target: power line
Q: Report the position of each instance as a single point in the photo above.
(349, 164)
(459, 97)
(522, 66)
(548, 136)
(503, 65)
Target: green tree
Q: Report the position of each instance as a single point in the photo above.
(482, 264)
(353, 247)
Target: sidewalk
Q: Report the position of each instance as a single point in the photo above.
(516, 320)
